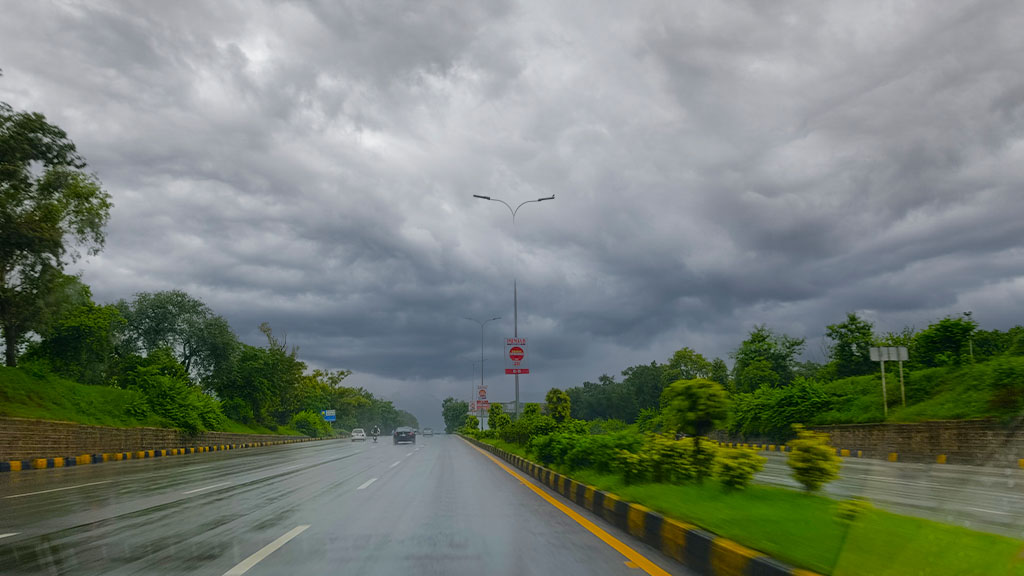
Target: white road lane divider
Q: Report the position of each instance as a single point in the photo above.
(395, 464)
(57, 489)
(9, 534)
(367, 483)
(207, 488)
(244, 566)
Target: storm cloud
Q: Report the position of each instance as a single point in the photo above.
(715, 166)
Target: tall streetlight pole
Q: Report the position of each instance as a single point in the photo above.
(515, 290)
(482, 324)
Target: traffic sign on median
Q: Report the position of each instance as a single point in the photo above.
(515, 356)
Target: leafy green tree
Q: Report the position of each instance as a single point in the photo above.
(497, 418)
(766, 353)
(695, 407)
(81, 344)
(685, 364)
(531, 409)
(945, 343)
(454, 413)
(49, 207)
(852, 340)
(719, 372)
(756, 375)
(558, 405)
(644, 381)
(202, 341)
(472, 424)
(813, 460)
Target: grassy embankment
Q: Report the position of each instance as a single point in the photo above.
(49, 397)
(953, 393)
(802, 529)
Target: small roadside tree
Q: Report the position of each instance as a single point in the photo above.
(454, 413)
(472, 424)
(558, 405)
(695, 407)
(813, 460)
(497, 418)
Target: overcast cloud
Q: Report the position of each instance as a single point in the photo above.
(716, 165)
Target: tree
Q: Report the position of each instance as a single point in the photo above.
(81, 344)
(454, 413)
(764, 351)
(558, 405)
(852, 340)
(497, 418)
(49, 207)
(531, 409)
(945, 343)
(720, 373)
(685, 364)
(472, 424)
(202, 341)
(695, 407)
(813, 461)
(645, 383)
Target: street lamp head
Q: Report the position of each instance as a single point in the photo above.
(552, 197)
(481, 197)
(495, 318)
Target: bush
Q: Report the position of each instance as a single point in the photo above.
(813, 460)
(649, 420)
(238, 410)
(672, 461)
(311, 424)
(599, 452)
(773, 411)
(552, 448)
(847, 511)
(527, 427)
(1007, 385)
(601, 426)
(735, 467)
(634, 467)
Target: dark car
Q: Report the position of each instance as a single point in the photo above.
(404, 434)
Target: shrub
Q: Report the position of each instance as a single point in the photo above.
(1007, 385)
(599, 452)
(735, 467)
(311, 424)
(634, 467)
(238, 410)
(649, 420)
(526, 427)
(847, 511)
(601, 426)
(813, 460)
(552, 448)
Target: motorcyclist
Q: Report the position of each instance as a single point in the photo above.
(375, 432)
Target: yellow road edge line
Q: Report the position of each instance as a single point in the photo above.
(637, 558)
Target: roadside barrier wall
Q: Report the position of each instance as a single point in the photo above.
(26, 443)
(701, 551)
(969, 442)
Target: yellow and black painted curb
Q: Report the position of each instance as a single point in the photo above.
(63, 462)
(699, 550)
(841, 452)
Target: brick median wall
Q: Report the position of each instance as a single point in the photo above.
(23, 439)
(974, 442)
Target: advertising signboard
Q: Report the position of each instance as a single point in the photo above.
(515, 356)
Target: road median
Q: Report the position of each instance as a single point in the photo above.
(699, 550)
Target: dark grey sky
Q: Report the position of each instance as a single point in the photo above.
(716, 165)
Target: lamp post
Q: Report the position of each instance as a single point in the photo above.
(515, 291)
(482, 324)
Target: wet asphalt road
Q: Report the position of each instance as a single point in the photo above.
(976, 497)
(333, 507)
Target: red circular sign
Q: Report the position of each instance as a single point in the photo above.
(516, 353)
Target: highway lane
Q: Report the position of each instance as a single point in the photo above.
(976, 497)
(439, 507)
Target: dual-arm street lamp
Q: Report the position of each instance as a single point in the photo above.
(515, 291)
(482, 324)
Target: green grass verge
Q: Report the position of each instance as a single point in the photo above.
(43, 396)
(802, 529)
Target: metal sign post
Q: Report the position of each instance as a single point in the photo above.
(892, 353)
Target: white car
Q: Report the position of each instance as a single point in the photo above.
(358, 434)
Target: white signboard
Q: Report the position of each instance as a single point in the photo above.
(889, 354)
